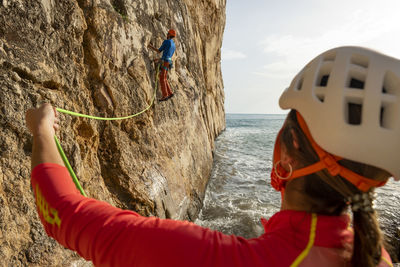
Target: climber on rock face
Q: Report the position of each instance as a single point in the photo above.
(168, 49)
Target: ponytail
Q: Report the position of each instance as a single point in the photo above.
(368, 239)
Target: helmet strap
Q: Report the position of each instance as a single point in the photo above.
(330, 162)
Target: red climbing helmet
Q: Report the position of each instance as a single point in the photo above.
(172, 32)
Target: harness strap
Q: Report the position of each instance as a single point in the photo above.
(330, 162)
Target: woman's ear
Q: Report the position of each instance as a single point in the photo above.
(295, 139)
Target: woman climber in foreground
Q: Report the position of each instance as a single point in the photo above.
(340, 140)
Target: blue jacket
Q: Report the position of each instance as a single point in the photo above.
(168, 49)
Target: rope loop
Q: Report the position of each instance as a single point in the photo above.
(61, 151)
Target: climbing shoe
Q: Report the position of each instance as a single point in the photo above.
(163, 99)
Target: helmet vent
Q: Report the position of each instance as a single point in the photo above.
(354, 102)
(360, 60)
(353, 114)
(388, 116)
(324, 80)
(299, 84)
(390, 93)
(319, 90)
(323, 74)
(358, 71)
(356, 78)
(323, 77)
(356, 84)
(391, 84)
(321, 97)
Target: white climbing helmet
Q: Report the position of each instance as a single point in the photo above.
(330, 84)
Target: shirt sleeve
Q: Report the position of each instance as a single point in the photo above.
(110, 236)
(163, 46)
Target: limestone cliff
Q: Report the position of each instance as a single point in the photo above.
(90, 56)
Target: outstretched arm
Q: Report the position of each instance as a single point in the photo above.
(109, 236)
(153, 48)
(42, 123)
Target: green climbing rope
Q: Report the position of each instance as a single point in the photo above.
(61, 151)
(71, 171)
(108, 119)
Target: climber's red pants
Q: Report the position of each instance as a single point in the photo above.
(165, 89)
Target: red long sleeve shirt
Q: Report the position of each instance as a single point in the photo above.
(109, 236)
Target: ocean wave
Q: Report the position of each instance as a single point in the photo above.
(239, 192)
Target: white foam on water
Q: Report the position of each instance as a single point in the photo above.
(239, 191)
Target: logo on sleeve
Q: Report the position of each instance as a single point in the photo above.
(49, 214)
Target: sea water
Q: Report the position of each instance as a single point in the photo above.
(239, 191)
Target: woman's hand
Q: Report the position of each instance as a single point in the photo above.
(42, 123)
(42, 120)
(153, 48)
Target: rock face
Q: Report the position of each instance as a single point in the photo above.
(91, 56)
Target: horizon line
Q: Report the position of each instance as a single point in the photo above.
(245, 113)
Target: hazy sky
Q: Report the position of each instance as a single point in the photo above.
(267, 42)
